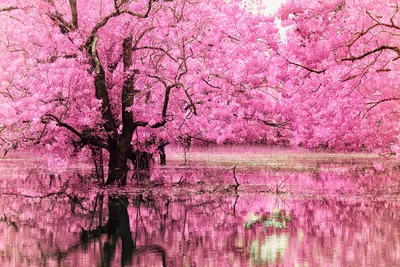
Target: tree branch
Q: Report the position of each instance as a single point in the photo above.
(74, 12)
(378, 49)
(85, 137)
(378, 23)
(8, 8)
(65, 125)
(101, 89)
(167, 94)
(306, 68)
(376, 103)
(209, 84)
(192, 104)
(110, 124)
(273, 124)
(156, 48)
(58, 19)
(128, 92)
(145, 15)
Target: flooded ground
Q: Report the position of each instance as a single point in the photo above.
(288, 210)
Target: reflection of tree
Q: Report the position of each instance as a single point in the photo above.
(118, 228)
(271, 246)
(186, 230)
(183, 225)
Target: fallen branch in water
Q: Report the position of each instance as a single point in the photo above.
(72, 198)
(33, 196)
(234, 177)
(277, 191)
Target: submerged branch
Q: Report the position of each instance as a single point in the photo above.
(31, 196)
(234, 177)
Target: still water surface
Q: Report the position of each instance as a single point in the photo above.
(329, 215)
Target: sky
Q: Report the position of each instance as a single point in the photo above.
(272, 5)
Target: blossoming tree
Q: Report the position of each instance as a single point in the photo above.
(342, 79)
(119, 76)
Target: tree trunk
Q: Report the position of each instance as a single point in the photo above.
(163, 158)
(118, 166)
(141, 161)
(97, 154)
(161, 149)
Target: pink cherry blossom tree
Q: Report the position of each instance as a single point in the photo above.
(83, 77)
(343, 72)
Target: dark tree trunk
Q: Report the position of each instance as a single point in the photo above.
(97, 154)
(120, 150)
(118, 166)
(141, 161)
(163, 156)
(118, 226)
(117, 229)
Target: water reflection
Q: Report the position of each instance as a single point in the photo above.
(311, 214)
(199, 230)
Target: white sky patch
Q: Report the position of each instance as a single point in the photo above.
(268, 7)
(271, 6)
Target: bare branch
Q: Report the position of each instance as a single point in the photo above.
(58, 19)
(74, 12)
(209, 84)
(377, 23)
(140, 37)
(167, 94)
(156, 48)
(376, 103)
(394, 14)
(378, 49)
(145, 15)
(8, 8)
(113, 66)
(273, 124)
(192, 105)
(306, 68)
(85, 137)
(65, 125)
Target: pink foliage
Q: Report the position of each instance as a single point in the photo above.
(343, 88)
(211, 56)
(212, 71)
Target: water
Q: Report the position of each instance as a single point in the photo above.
(327, 215)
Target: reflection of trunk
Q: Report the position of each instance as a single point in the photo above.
(118, 227)
(143, 251)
